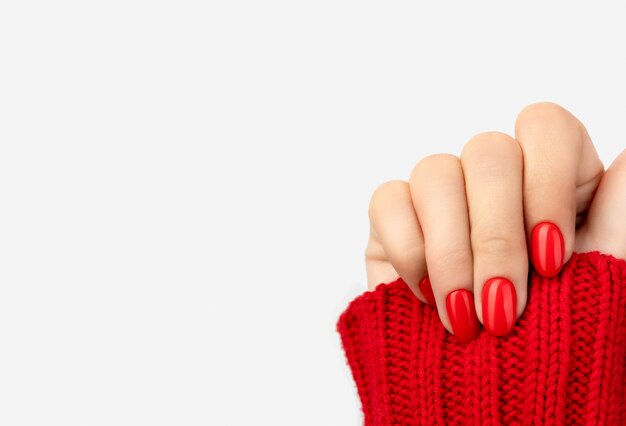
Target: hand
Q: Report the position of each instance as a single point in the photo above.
(467, 226)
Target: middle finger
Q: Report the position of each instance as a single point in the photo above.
(492, 164)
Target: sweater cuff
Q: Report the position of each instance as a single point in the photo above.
(564, 361)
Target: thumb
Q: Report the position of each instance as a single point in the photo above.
(605, 228)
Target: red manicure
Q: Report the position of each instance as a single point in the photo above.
(427, 291)
(499, 306)
(548, 249)
(460, 306)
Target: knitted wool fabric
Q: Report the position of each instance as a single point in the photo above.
(563, 363)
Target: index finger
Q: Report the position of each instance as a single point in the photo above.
(561, 173)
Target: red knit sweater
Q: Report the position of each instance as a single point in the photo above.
(563, 363)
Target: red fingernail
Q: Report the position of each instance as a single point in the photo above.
(548, 249)
(460, 306)
(499, 305)
(427, 291)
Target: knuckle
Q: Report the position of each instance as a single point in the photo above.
(407, 258)
(540, 113)
(619, 164)
(442, 259)
(434, 163)
(383, 194)
(497, 246)
(490, 143)
(374, 250)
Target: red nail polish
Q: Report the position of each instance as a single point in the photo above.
(548, 249)
(460, 306)
(499, 306)
(427, 291)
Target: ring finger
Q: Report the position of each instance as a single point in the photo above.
(438, 193)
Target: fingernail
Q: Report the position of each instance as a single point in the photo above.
(548, 249)
(460, 306)
(427, 291)
(499, 306)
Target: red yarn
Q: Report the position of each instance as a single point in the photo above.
(563, 363)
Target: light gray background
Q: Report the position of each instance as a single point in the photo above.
(184, 185)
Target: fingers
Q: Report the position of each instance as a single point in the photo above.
(396, 245)
(605, 228)
(492, 165)
(561, 173)
(438, 193)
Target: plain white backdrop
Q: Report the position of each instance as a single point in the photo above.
(184, 185)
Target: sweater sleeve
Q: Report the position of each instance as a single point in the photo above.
(564, 361)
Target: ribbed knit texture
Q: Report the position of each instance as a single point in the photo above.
(563, 363)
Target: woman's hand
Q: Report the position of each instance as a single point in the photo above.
(467, 226)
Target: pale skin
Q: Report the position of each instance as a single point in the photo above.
(462, 220)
